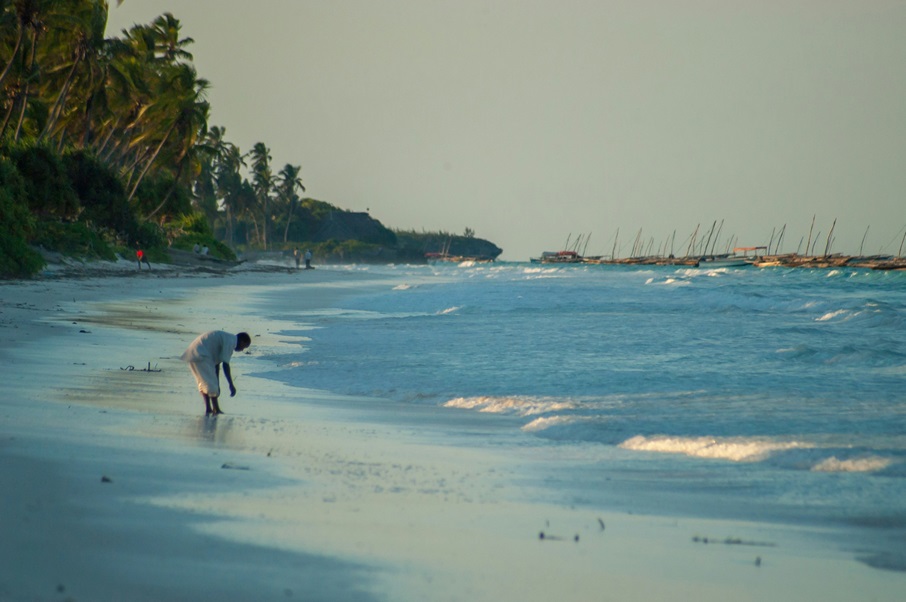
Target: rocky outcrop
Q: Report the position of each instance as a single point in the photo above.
(414, 244)
(348, 225)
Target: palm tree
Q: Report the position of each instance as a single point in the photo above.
(30, 15)
(229, 184)
(288, 181)
(165, 41)
(180, 108)
(263, 183)
(209, 152)
(18, 17)
(82, 34)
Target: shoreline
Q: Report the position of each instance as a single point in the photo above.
(294, 494)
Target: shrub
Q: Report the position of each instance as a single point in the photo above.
(47, 186)
(100, 193)
(75, 239)
(16, 226)
(161, 195)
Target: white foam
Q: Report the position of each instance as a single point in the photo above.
(832, 314)
(546, 422)
(520, 406)
(449, 310)
(402, 287)
(867, 464)
(737, 449)
(669, 281)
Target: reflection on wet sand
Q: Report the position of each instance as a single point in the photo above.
(216, 430)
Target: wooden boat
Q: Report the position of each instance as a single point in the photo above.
(558, 257)
(726, 261)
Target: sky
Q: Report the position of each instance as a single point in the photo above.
(533, 122)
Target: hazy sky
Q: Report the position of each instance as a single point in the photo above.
(531, 120)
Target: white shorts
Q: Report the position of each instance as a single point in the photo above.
(206, 376)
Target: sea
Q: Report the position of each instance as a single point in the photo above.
(755, 394)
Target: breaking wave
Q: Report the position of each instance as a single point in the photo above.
(519, 406)
(734, 449)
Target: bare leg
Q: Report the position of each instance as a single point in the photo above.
(207, 404)
(215, 406)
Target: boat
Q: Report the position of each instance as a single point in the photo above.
(727, 261)
(734, 260)
(433, 258)
(558, 257)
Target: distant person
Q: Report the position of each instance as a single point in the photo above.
(204, 250)
(142, 259)
(197, 248)
(308, 259)
(297, 256)
(204, 357)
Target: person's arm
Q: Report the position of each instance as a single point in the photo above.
(229, 377)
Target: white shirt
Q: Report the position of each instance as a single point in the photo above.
(216, 346)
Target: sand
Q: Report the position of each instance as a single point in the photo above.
(113, 486)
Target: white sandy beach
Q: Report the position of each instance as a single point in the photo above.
(113, 486)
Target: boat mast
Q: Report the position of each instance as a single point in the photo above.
(692, 241)
(809, 243)
(863, 240)
(780, 239)
(827, 244)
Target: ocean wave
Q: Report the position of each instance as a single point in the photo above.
(545, 422)
(865, 464)
(402, 287)
(519, 406)
(739, 449)
(449, 310)
(835, 314)
(669, 281)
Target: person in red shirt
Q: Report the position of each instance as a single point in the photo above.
(142, 259)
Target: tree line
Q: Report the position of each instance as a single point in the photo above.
(110, 137)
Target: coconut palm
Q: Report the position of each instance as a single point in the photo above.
(81, 33)
(288, 181)
(263, 184)
(229, 184)
(167, 45)
(31, 15)
(182, 111)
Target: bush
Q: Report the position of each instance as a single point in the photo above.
(161, 195)
(16, 226)
(101, 194)
(75, 239)
(47, 186)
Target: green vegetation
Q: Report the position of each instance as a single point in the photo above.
(105, 147)
(412, 244)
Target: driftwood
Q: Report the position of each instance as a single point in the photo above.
(131, 368)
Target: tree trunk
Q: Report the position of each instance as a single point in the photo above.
(12, 58)
(57, 108)
(151, 161)
(289, 217)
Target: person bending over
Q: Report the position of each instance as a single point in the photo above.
(204, 357)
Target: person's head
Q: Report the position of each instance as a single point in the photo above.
(243, 341)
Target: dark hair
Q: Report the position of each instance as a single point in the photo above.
(243, 337)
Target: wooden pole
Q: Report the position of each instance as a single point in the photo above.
(809, 243)
(827, 245)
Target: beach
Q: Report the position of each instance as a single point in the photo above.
(116, 487)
